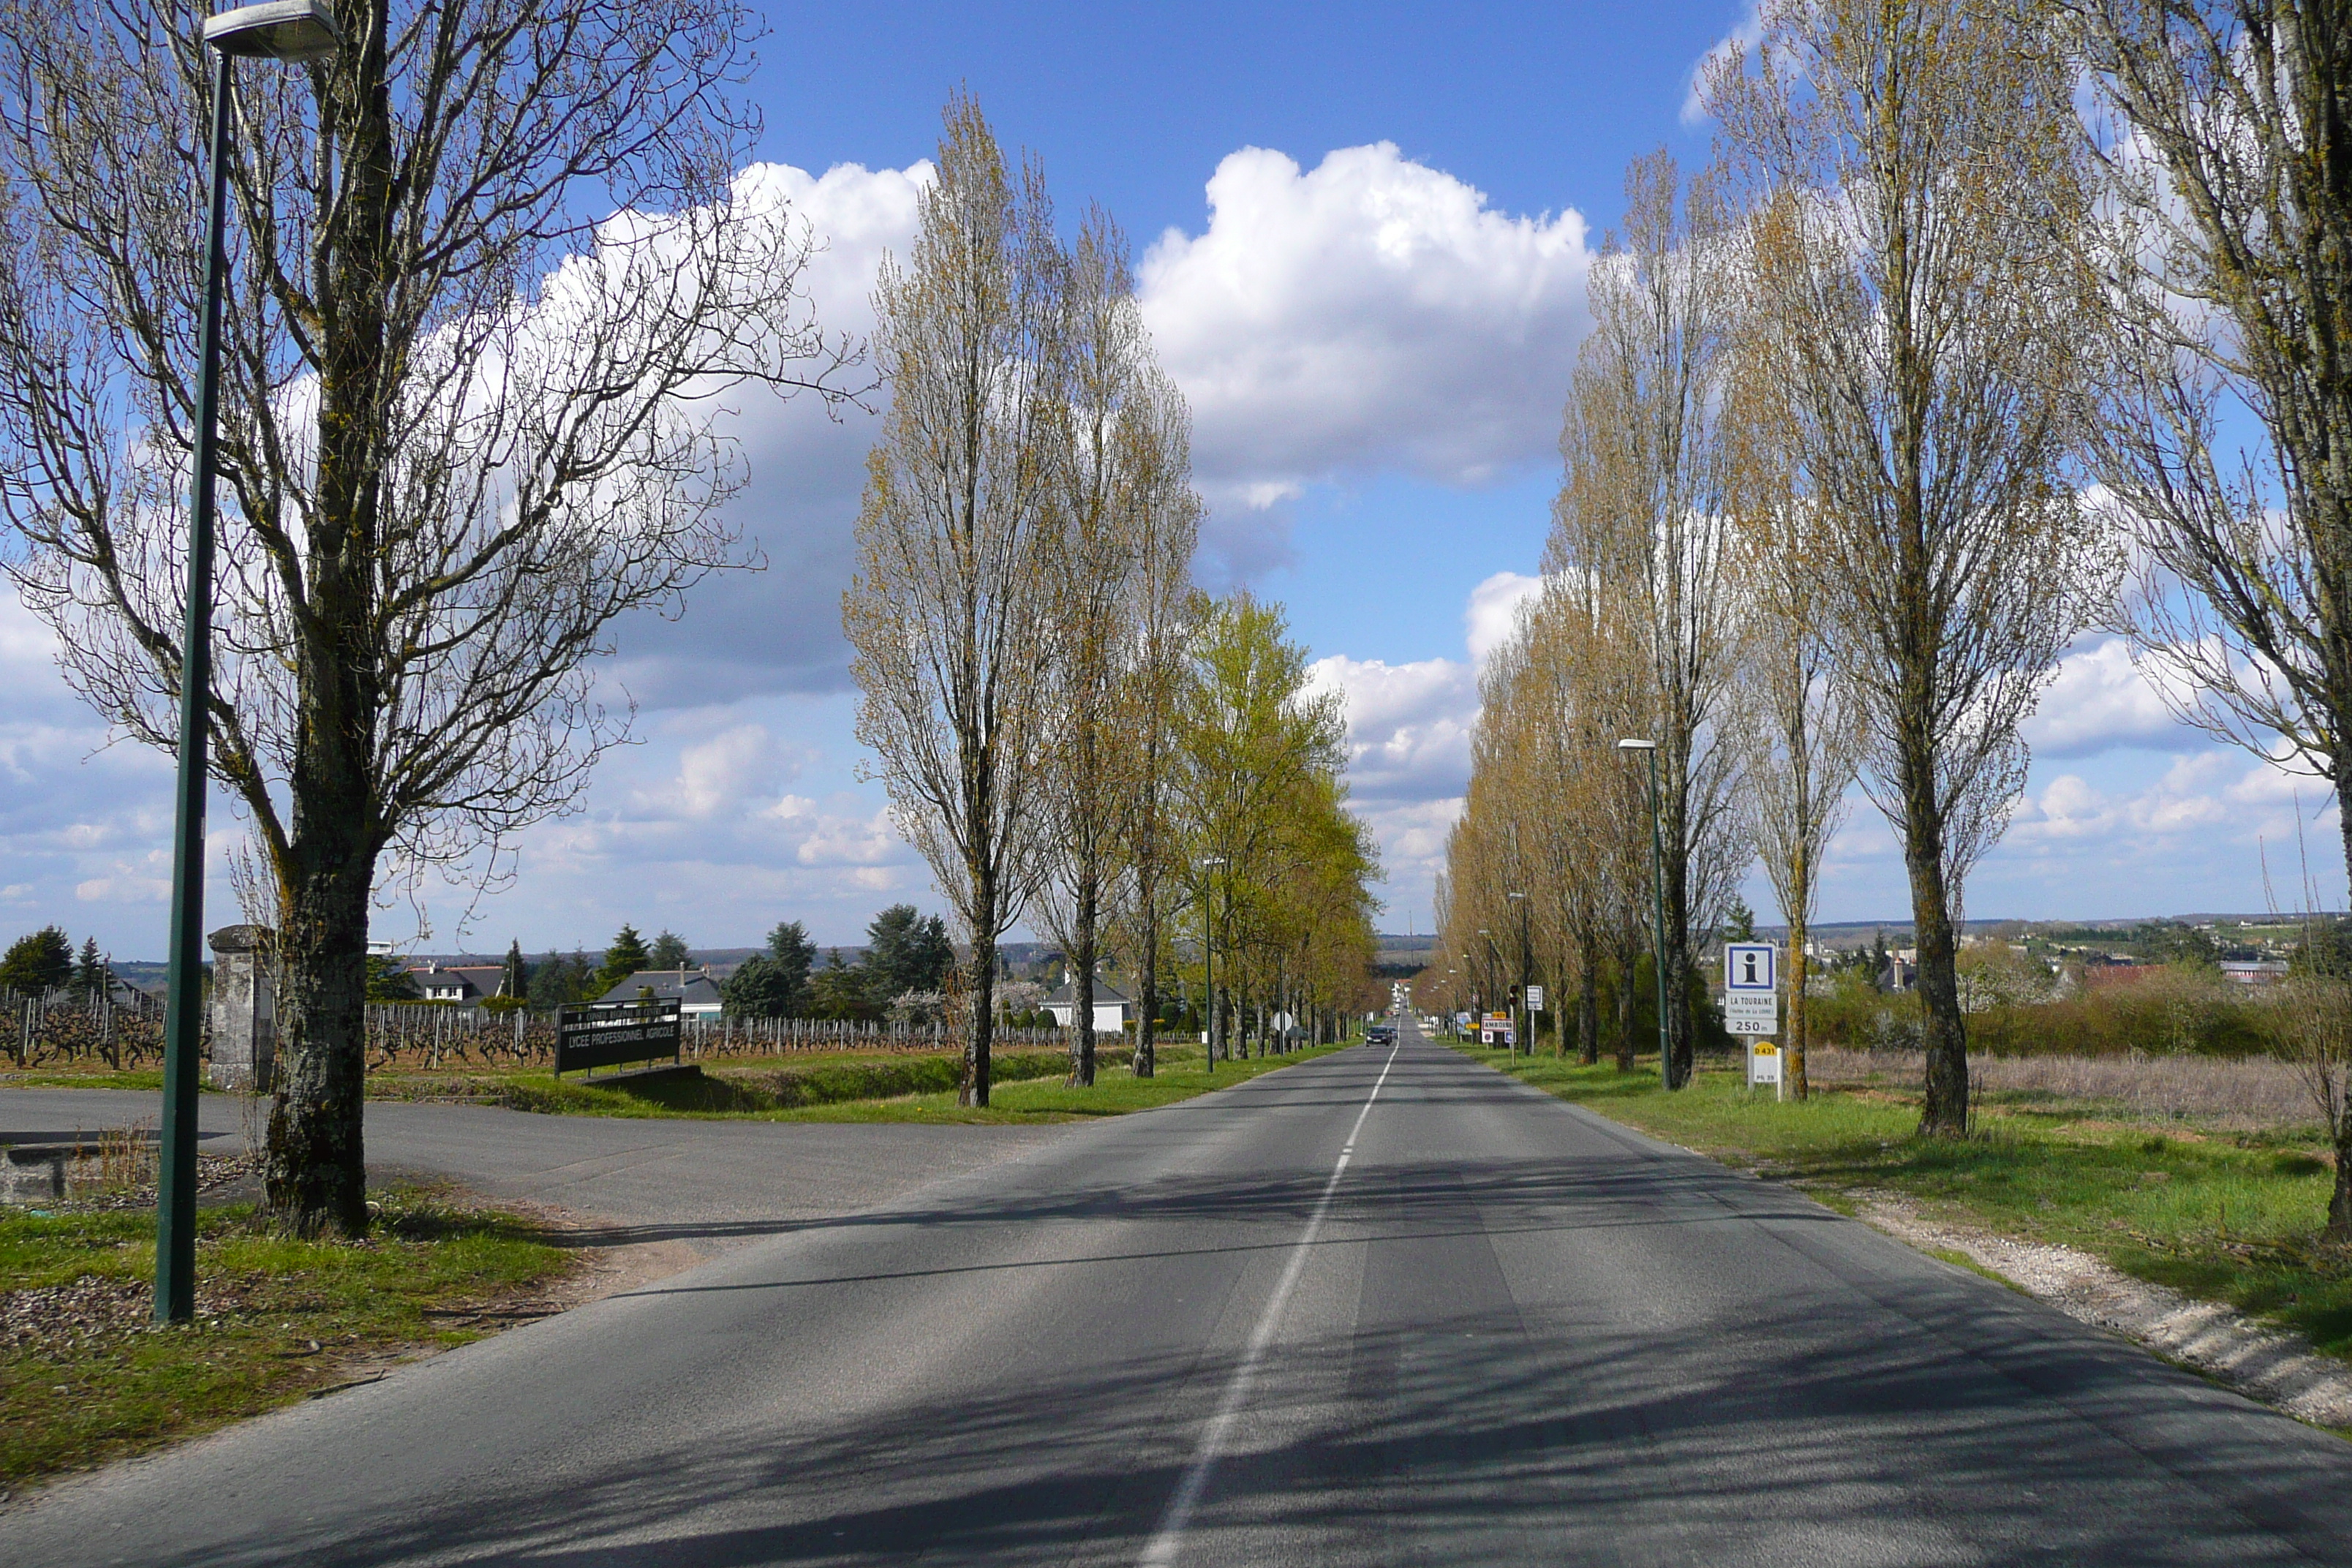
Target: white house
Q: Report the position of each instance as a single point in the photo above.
(1112, 1011)
(468, 984)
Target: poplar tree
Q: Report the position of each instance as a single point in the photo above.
(2227, 162)
(1925, 310)
(950, 612)
(1643, 518)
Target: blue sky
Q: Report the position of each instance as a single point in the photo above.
(1361, 235)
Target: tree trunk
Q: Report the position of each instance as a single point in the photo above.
(315, 1178)
(1799, 1086)
(316, 1175)
(1082, 994)
(1945, 1113)
(1628, 981)
(1587, 1002)
(2339, 1200)
(1147, 981)
(1680, 1030)
(973, 1091)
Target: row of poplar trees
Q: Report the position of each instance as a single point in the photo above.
(1069, 731)
(1940, 364)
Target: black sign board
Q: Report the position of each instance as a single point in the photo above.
(606, 1034)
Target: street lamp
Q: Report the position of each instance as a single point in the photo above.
(1493, 965)
(1658, 894)
(1453, 997)
(1209, 960)
(1525, 1028)
(279, 30)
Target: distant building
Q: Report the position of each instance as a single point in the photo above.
(1113, 1010)
(467, 984)
(2254, 971)
(694, 990)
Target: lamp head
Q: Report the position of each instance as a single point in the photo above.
(1630, 745)
(275, 30)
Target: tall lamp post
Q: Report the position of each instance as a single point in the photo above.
(1658, 894)
(1453, 997)
(277, 30)
(1524, 1031)
(1209, 956)
(1487, 993)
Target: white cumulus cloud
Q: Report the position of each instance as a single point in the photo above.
(1371, 313)
(2103, 698)
(1408, 725)
(1493, 612)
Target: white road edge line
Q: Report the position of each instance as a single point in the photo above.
(1161, 1551)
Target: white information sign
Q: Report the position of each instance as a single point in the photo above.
(1763, 1063)
(1752, 1013)
(1535, 998)
(1750, 966)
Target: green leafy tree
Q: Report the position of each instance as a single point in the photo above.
(842, 991)
(623, 958)
(38, 961)
(906, 951)
(668, 952)
(388, 981)
(558, 982)
(1259, 756)
(775, 983)
(792, 954)
(90, 975)
(2171, 941)
(518, 975)
(1739, 920)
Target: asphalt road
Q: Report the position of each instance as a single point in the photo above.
(1386, 1307)
(710, 1185)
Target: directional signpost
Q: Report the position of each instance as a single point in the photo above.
(1751, 1006)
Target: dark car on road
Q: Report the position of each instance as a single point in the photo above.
(1380, 1033)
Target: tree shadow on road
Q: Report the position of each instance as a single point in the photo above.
(1465, 1443)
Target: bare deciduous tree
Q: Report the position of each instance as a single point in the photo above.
(1643, 514)
(1160, 608)
(1805, 742)
(2232, 259)
(1917, 191)
(486, 260)
(951, 610)
(1104, 476)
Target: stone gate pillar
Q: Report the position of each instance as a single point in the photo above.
(244, 1009)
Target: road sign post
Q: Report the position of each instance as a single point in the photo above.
(1751, 1006)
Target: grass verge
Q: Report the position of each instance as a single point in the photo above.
(1047, 1098)
(1026, 1086)
(2230, 1216)
(85, 1378)
(850, 1086)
